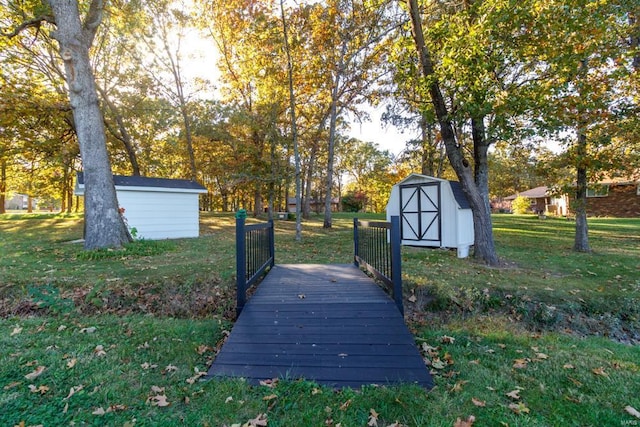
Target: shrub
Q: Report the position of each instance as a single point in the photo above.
(520, 205)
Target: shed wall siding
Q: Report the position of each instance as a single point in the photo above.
(161, 215)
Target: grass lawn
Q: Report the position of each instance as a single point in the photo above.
(121, 337)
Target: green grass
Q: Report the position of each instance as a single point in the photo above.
(160, 308)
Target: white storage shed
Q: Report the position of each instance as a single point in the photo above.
(158, 208)
(433, 212)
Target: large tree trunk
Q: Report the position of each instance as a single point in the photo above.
(484, 248)
(103, 223)
(581, 243)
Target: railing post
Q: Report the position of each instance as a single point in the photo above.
(272, 242)
(356, 243)
(396, 262)
(241, 261)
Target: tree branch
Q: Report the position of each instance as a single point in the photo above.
(31, 23)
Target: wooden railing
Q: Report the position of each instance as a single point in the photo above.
(255, 253)
(377, 249)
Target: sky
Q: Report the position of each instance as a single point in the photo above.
(387, 137)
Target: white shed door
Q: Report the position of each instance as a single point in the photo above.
(420, 212)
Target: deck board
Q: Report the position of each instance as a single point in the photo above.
(327, 323)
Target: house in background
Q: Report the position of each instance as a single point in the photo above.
(158, 208)
(542, 201)
(613, 197)
(316, 206)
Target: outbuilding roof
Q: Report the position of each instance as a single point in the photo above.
(145, 181)
(456, 188)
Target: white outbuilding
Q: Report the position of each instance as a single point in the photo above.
(157, 208)
(433, 212)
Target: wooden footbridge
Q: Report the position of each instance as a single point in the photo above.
(331, 324)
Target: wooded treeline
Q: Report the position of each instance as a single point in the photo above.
(483, 82)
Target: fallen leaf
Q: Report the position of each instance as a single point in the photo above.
(228, 399)
(16, 330)
(156, 389)
(73, 390)
(99, 350)
(88, 330)
(116, 408)
(519, 363)
(541, 356)
(445, 339)
(316, 391)
(147, 365)
(568, 366)
(259, 421)
(345, 405)
(202, 349)
(632, 411)
(40, 389)
(458, 386)
(373, 418)
(412, 298)
(170, 368)
(159, 400)
(269, 383)
(62, 328)
(478, 402)
(71, 363)
(270, 397)
(465, 423)
(519, 408)
(99, 411)
(12, 385)
(514, 394)
(438, 364)
(600, 372)
(575, 382)
(35, 374)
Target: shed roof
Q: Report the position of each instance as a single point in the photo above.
(456, 187)
(145, 181)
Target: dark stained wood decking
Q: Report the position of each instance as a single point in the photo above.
(327, 323)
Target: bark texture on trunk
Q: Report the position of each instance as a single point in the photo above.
(581, 243)
(103, 223)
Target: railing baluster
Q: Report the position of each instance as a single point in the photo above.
(377, 248)
(255, 253)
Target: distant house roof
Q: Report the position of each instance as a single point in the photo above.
(534, 193)
(150, 182)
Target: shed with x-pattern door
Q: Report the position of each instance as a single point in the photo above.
(433, 212)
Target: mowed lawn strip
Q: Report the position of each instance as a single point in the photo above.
(121, 337)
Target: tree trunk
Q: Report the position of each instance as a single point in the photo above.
(333, 118)
(3, 184)
(581, 243)
(480, 159)
(294, 128)
(306, 210)
(103, 223)
(484, 248)
(428, 148)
